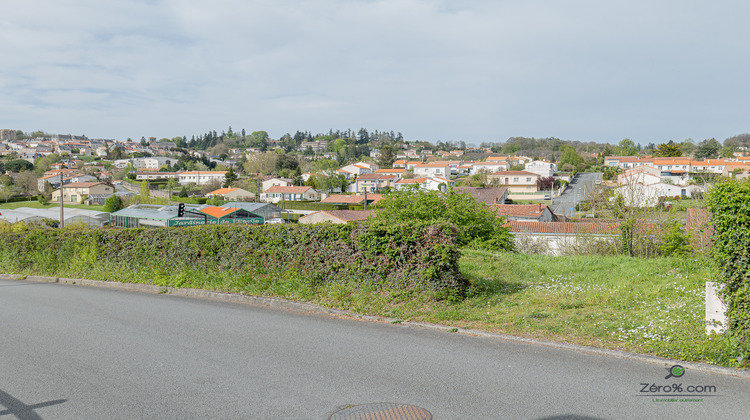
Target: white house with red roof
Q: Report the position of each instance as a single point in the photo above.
(231, 194)
(375, 182)
(428, 184)
(518, 183)
(278, 194)
(429, 170)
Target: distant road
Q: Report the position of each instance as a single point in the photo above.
(72, 352)
(578, 190)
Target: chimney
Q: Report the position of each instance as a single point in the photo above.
(539, 208)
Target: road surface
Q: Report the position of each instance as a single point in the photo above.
(582, 186)
(74, 352)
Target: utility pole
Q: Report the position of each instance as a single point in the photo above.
(62, 217)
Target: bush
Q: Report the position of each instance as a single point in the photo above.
(728, 201)
(477, 225)
(401, 255)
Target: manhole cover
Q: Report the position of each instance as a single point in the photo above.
(382, 411)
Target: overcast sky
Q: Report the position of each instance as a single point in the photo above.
(433, 70)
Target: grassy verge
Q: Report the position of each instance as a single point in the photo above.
(38, 205)
(653, 306)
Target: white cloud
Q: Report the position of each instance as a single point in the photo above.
(435, 70)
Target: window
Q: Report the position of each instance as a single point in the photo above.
(515, 179)
(528, 179)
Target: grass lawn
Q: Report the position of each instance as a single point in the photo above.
(653, 306)
(38, 205)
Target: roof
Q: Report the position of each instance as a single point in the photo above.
(350, 199)
(83, 184)
(289, 190)
(349, 215)
(564, 228)
(515, 173)
(485, 195)
(203, 173)
(222, 191)
(533, 211)
(376, 176)
(390, 171)
(218, 212)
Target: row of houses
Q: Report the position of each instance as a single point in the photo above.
(679, 165)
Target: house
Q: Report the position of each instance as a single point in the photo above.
(153, 175)
(336, 216)
(640, 195)
(491, 166)
(525, 212)
(429, 184)
(277, 182)
(375, 182)
(556, 237)
(357, 169)
(541, 168)
(200, 177)
(429, 170)
(489, 196)
(646, 175)
(75, 193)
(517, 182)
(400, 173)
(232, 194)
(280, 194)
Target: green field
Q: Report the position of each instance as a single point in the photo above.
(38, 205)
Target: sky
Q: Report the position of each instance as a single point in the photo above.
(434, 70)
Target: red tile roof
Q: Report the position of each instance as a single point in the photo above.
(519, 210)
(350, 199)
(288, 190)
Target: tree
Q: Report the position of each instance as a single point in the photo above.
(708, 149)
(212, 185)
(6, 192)
(477, 225)
(27, 181)
(386, 157)
(570, 156)
(260, 163)
(113, 203)
(145, 192)
(626, 147)
(727, 152)
(229, 178)
(670, 149)
(687, 147)
(286, 162)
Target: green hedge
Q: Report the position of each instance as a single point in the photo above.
(226, 257)
(729, 202)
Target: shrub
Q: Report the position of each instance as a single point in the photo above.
(401, 255)
(728, 201)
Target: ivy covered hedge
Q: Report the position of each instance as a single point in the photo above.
(729, 202)
(224, 257)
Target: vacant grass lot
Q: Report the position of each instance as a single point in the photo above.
(653, 306)
(38, 205)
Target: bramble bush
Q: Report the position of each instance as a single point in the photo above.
(399, 255)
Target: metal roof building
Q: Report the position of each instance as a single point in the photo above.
(150, 215)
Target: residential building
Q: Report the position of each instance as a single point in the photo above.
(232, 194)
(525, 212)
(517, 182)
(200, 177)
(375, 182)
(429, 170)
(427, 184)
(279, 194)
(75, 193)
(489, 196)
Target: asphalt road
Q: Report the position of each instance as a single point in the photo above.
(577, 191)
(73, 352)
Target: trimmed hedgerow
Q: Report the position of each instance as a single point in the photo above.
(224, 257)
(729, 202)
